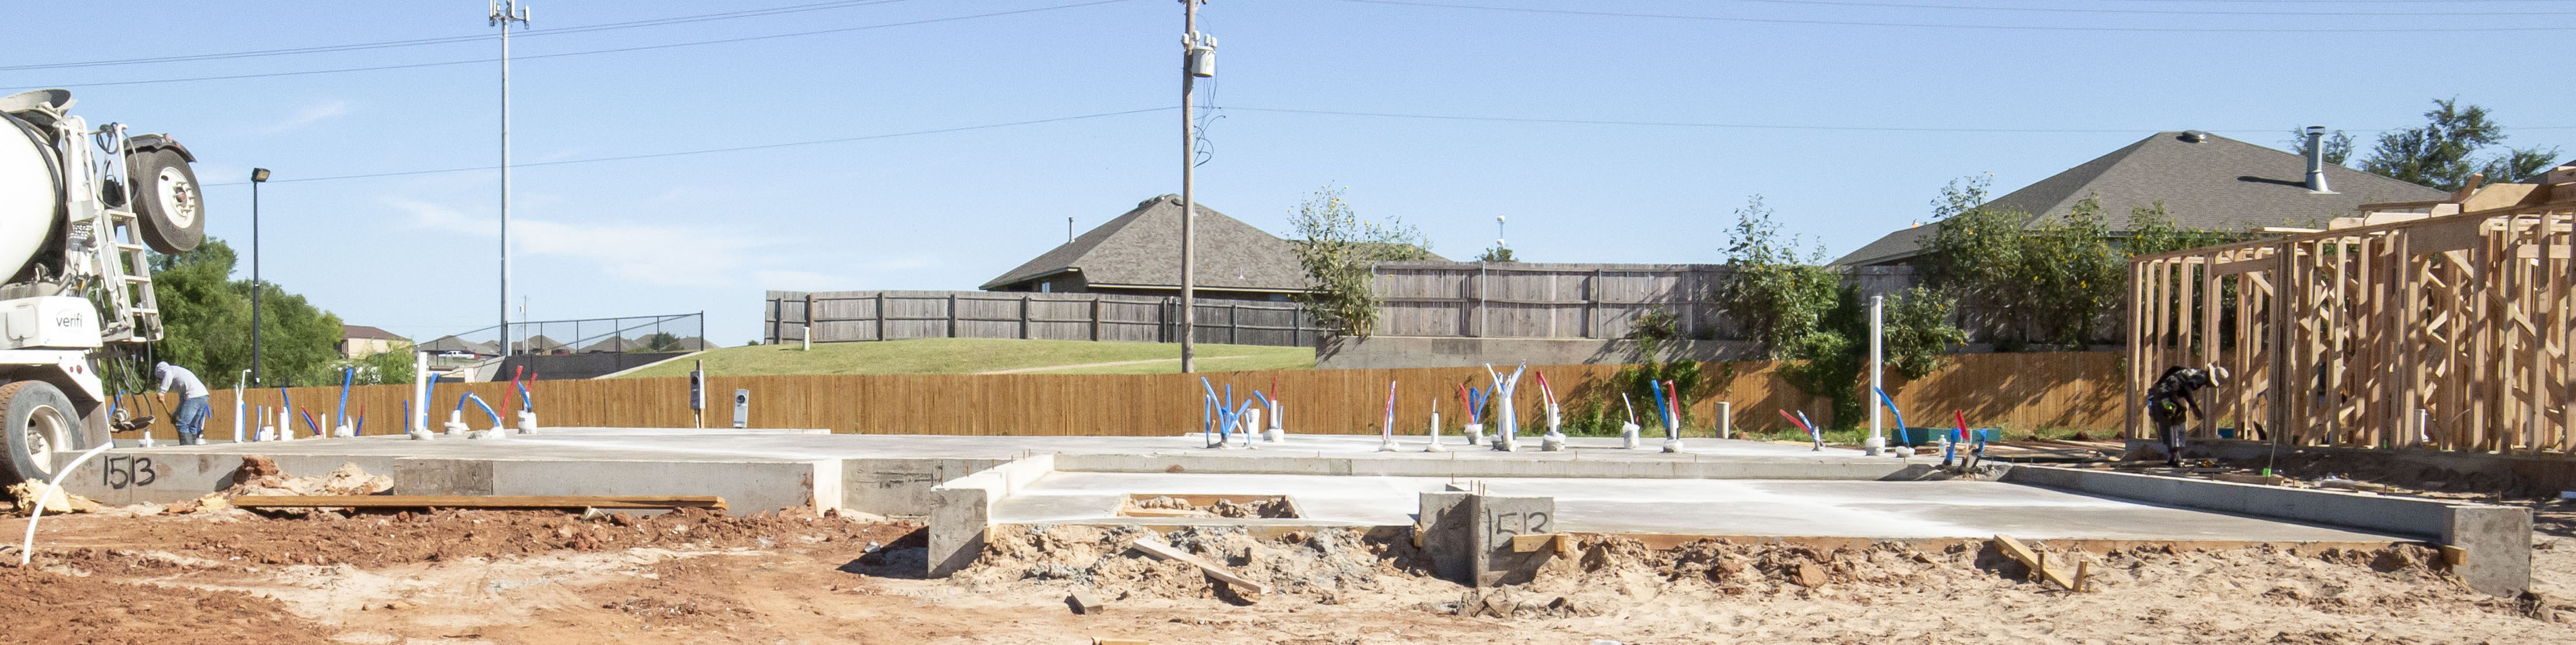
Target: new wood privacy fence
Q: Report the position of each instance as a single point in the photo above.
(2076, 389)
(841, 316)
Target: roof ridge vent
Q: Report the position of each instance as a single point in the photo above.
(2194, 136)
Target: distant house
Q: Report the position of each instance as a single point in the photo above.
(451, 346)
(2205, 181)
(1139, 253)
(361, 341)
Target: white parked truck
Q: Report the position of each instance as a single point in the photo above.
(79, 208)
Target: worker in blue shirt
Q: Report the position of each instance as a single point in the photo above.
(191, 415)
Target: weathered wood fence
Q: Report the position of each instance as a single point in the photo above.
(2078, 390)
(840, 316)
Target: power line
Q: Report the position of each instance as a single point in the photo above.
(372, 68)
(747, 13)
(1761, 126)
(2185, 12)
(1847, 23)
(1445, 117)
(765, 146)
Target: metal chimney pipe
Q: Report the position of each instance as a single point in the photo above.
(2317, 160)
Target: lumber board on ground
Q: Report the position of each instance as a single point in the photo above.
(1158, 549)
(2038, 564)
(1561, 543)
(659, 502)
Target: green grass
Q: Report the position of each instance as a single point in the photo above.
(972, 355)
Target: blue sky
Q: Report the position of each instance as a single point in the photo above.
(1860, 124)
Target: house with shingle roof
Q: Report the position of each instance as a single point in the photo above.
(1139, 253)
(361, 341)
(2205, 181)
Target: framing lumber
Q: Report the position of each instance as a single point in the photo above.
(619, 502)
(2438, 325)
(2038, 563)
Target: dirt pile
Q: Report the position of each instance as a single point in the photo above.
(1322, 565)
(1168, 506)
(396, 538)
(110, 612)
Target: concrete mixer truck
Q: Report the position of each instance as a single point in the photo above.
(80, 206)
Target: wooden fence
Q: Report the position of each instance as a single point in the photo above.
(2438, 324)
(2076, 389)
(839, 316)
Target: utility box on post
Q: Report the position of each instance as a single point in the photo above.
(742, 408)
(698, 393)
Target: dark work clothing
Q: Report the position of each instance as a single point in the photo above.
(2168, 402)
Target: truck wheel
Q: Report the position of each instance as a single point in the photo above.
(165, 194)
(39, 423)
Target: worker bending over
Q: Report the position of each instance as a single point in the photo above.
(190, 418)
(2170, 398)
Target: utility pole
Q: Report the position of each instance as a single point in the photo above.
(257, 176)
(505, 12)
(1198, 60)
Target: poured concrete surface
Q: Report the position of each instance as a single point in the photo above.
(801, 445)
(888, 474)
(1865, 509)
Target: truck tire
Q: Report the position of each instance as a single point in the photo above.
(39, 423)
(166, 196)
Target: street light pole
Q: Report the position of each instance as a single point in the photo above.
(257, 176)
(505, 12)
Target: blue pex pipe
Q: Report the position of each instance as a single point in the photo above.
(346, 376)
(1812, 432)
(526, 402)
(478, 402)
(1891, 407)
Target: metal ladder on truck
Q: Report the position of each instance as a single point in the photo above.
(134, 317)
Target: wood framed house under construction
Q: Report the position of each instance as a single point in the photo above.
(2438, 324)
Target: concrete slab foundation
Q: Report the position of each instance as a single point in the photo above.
(2495, 540)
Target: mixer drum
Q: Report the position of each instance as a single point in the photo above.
(31, 193)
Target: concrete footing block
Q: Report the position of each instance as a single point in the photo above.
(1469, 536)
(2496, 547)
(961, 510)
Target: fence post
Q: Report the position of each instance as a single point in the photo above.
(952, 315)
(1233, 324)
(1024, 317)
(1095, 317)
(809, 319)
(880, 315)
(1592, 306)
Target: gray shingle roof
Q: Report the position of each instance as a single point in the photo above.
(2216, 183)
(1143, 248)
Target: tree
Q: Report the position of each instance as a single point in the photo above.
(1919, 333)
(658, 342)
(205, 316)
(1775, 294)
(2444, 152)
(2337, 144)
(1794, 308)
(2052, 282)
(1498, 253)
(1339, 252)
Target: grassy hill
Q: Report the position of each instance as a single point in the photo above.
(980, 355)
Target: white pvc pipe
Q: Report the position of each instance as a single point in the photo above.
(238, 406)
(420, 396)
(1877, 368)
(1434, 445)
(27, 550)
